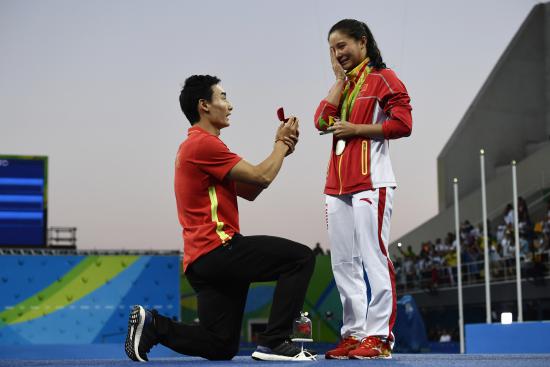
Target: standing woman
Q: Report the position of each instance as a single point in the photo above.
(365, 108)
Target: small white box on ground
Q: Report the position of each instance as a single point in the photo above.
(506, 318)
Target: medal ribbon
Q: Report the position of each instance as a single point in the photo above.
(355, 80)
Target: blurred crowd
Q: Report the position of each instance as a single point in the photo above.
(435, 264)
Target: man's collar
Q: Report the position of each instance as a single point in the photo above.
(199, 129)
(196, 129)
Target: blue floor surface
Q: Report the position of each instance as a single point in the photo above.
(412, 360)
(109, 355)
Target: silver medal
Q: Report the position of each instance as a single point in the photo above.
(340, 145)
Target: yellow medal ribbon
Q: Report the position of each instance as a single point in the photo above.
(357, 77)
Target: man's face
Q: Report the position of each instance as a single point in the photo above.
(349, 51)
(219, 108)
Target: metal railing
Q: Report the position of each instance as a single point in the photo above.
(92, 252)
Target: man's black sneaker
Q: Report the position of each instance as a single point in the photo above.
(286, 351)
(141, 335)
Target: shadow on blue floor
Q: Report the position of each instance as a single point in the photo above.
(399, 360)
(109, 355)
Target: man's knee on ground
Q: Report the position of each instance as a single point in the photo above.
(223, 354)
(223, 350)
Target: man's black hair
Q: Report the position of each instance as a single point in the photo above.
(196, 87)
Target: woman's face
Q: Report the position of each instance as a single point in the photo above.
(349, 51)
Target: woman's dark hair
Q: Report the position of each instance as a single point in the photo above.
(196, 87)
(357, 30)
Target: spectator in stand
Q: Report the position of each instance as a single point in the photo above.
(508, 251)
(541, 228)
(450, 262)
(476, 232)
(408, 267)
(507, 245)
(436, 262)
(536, 268)
(524, 248)
(494, 258)
(434, 272)
(419, 268)
(441, 247)
(449, 241)
(538, 247)
(523, 210)
(437, 258)
(425, 250)
(509, 215)
(508, 225)
(524, 220)
(400, 275)
(407, 254)
(465, 231)
(472, 258)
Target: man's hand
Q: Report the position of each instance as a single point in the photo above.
(263, 174)
(343, 129)
(290, 142)
(288, 132)
(288, 128)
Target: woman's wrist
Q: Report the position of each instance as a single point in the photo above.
(356, 129)
(362, 130)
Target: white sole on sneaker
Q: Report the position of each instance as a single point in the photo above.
(128, 345)
(379, 357)
(259, 356)
(337, 357)
(135, 329)
(302, 357)
(139, 330)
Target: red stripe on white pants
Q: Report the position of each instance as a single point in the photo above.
(391, 270)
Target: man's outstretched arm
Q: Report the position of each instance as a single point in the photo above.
(253, 179)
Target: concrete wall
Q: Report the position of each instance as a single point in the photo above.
(533, 173)
(510, 120)
(509, 116)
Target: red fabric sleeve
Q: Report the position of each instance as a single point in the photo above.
(214, 157)
(324, 110)
(396, 104)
